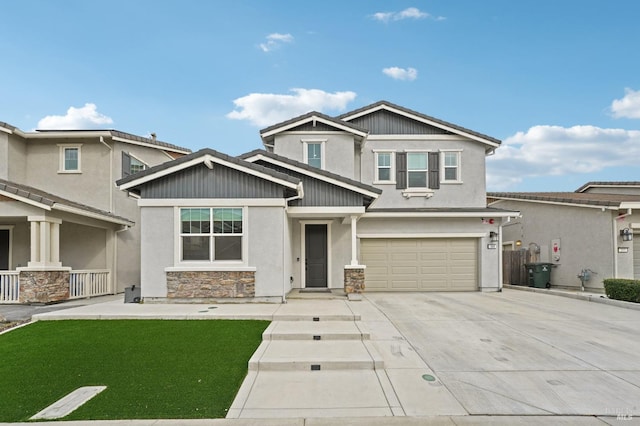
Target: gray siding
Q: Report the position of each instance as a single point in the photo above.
(201, 182)
(318, 192)
(388, 123)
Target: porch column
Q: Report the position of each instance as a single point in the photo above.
(354, 241)
(354, 273)
(45, 242)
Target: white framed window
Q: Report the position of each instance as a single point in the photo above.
(417, 171)
(131, 164)
(384, 167)
(70, 159)
(211, 234)
(313, 153)
(451, 166)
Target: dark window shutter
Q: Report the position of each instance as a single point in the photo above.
(126, 164)
(434, 170)
(401, 170)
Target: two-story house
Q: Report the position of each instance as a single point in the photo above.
(65, 229)
(382, 197)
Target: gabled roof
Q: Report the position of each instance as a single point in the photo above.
(314, 172)
(312, 116)
(48, 201)
(580, 199)
(453, 128)
(588, 185)
(111, 133)
(207, 157)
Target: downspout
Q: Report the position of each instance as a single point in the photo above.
(500, 266)
(298, 196)
(110, 173)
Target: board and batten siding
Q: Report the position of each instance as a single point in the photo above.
(221, 182)
(318, 192)
(388, 123)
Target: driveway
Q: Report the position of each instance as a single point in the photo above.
(523, 353)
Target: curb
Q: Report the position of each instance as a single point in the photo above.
(588, 297)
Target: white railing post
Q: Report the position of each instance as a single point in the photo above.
(9, 287)
(84, 284)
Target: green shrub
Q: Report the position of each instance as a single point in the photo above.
(622, 289)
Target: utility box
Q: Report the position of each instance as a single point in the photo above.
(132, 294)
(539, 274)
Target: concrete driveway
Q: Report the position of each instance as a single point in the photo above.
(522, 353)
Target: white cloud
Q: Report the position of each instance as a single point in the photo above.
(264, 109)
(628, 106)
(86, 117)
(409, 13)
(560, 151)
(401, 73)
(275, 40)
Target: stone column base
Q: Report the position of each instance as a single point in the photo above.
(210, 284)
(354, 279)
(43, 286)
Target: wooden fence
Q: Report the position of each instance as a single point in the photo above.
(513, 269)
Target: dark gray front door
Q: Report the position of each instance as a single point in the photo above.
(4, 249)
(316, 255)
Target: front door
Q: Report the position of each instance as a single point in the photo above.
(315, 246)
(4, 249)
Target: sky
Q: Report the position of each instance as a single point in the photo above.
(558, 81)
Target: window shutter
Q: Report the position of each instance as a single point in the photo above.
(126, 164)
(434, 170)
(401, 170)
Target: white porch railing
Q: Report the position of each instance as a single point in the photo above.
(9, 287)
(95, 282)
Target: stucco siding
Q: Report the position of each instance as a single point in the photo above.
(266, 240)
(586, 239)
(158, 240)
(83, 247)
(469, 193)
(338, 150)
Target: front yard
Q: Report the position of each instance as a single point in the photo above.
(152, 368)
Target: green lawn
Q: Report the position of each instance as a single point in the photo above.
(152, 368)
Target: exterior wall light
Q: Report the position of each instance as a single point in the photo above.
(626, 234)
(493, 236)
(518, 243)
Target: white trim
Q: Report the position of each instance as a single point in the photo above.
(556, 203)
(324, 211)
(85, 213)
(313, 118)
(630, 205)
(393, 215)
(61, 164)
(64, 135)
(414, 138)
(443, 154)
(392, 166)
(417, 192)
(149, 145)
(24, 200)
(212, 202)
(422, 120)
(10, 254)
(202, 159)
(312, 174)
(511, 243)
(305, 150)
(428, 235)
(303, 258)
(144, 163)
(4, 129)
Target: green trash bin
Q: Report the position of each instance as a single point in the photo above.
(539, 274)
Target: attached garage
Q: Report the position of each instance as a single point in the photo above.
(420, 264)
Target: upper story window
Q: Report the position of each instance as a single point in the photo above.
(211, 234)
(451, 166)
(69, 159)
(385, 162)
(131, 164)
(314, 152)
(417, 170)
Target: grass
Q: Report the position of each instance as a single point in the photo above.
(152, 368)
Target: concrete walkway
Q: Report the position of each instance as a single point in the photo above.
(367, 372)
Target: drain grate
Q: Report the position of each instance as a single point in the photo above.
(316, 318)
(317, 337)
(315, 367)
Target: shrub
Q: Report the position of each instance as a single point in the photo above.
(622, 289)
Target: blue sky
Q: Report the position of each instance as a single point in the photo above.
(558, 81)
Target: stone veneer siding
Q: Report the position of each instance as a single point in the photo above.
(353, 280)
(210, 284)
(43, 286)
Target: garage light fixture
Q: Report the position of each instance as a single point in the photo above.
(493, 236)
(626, 234)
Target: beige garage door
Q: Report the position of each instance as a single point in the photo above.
(420, 264)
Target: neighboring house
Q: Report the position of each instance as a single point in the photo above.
(382, 197)
(592, 228)
(65, 229)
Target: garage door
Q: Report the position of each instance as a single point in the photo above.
(636, 254)
(420, 264)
